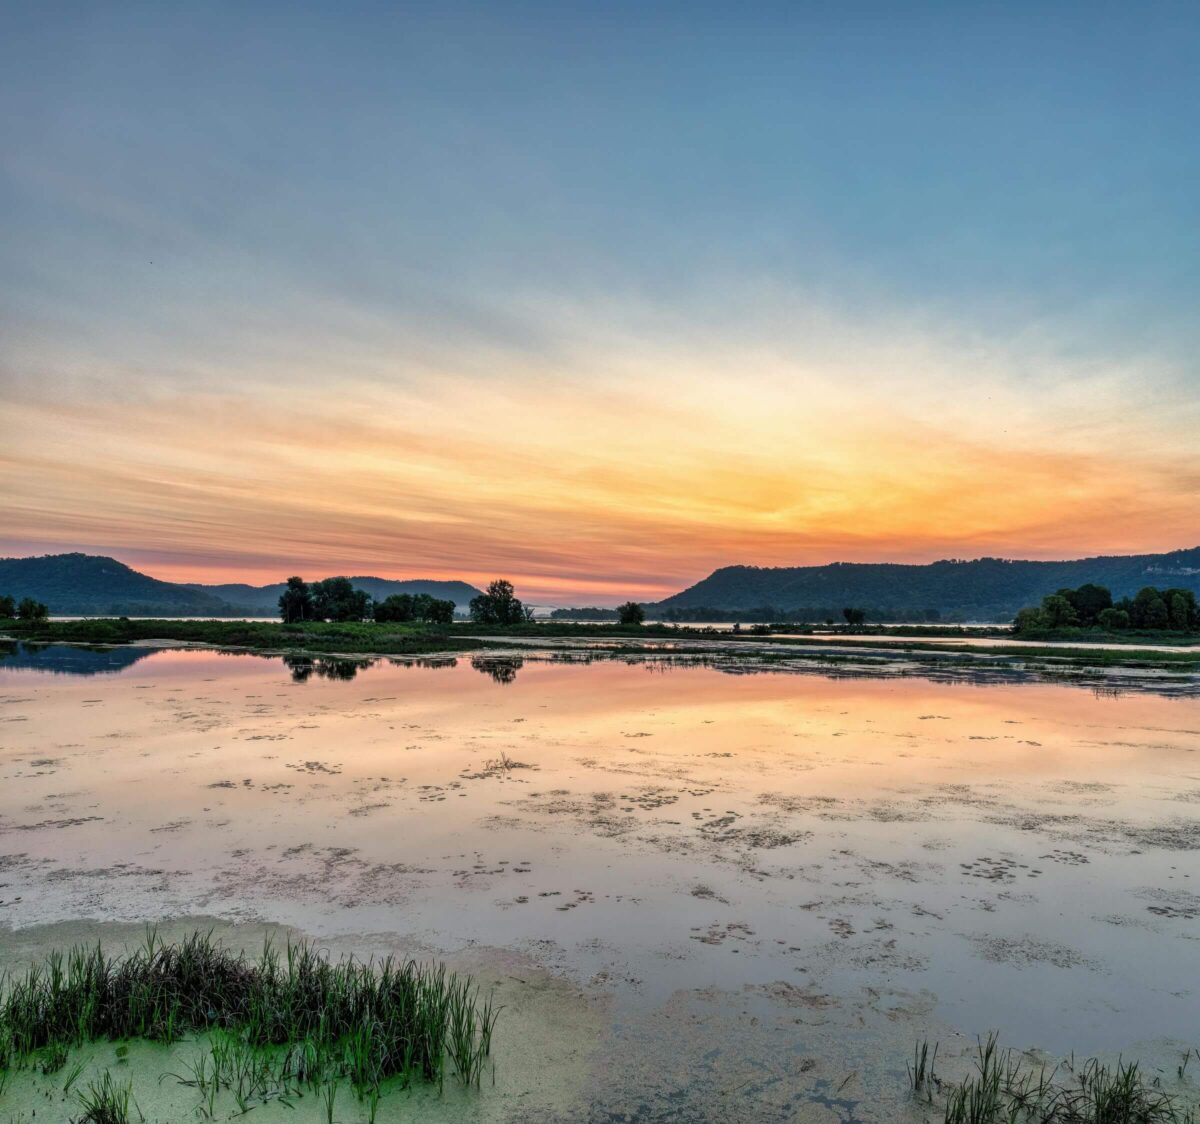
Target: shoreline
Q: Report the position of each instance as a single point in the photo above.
(368, 640)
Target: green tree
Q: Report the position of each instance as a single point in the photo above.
(1179, 610)
(630, 613)
(854, 617)
(1113, 619)
(1058, 612)
(1150, 610)
(440, 611)
(498, 605)
(8, 606)
(398, 607)
(33, 611)
(295, 602)
(1029, 620)
(335, 599)
(1088, 601)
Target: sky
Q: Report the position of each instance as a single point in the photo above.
(596, 297)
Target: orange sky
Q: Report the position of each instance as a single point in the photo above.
(595, 298)
(634, 468)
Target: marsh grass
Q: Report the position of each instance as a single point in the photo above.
(266, 1027)
(921, 1076)
(1006, 1089)
(105, 1102)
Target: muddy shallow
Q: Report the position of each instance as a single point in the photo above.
(701, 895)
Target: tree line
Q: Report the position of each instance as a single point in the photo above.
(1092, 606)
(802, 615)
(336, 599)
(27, 609)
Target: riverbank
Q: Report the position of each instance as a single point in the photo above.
(312, 637)
(367, 638)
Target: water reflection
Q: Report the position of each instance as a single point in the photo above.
(502, 666)
(827, 845)
(69, 659)
(502, 669)
(304, 668)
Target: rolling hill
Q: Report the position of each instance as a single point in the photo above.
(981, 589)
(93, 585)
(89, 584)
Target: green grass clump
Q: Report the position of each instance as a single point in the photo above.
(105, 1102)
(1005, 1089)
(280, 1021)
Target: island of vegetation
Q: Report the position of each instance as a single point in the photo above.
(1090, 611)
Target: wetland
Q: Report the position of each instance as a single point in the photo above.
(696, 882)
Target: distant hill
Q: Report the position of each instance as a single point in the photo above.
(91, 585)
(982, 589)
(263, 600)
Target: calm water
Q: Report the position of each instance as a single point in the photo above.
(838, 865)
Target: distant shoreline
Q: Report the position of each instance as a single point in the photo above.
(1167, 651)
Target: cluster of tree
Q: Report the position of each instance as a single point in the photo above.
(590, 613)
(813, 615)
(27, 609)
(855, 617)
(499, 605)
(336, 599)
(333, 599)
(629, 613)
(414, 607)
(1092, 606)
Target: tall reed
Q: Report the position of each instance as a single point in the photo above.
(289, 1016)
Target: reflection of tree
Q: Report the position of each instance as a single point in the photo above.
(503, 669)
(304, 668)
(301, 667)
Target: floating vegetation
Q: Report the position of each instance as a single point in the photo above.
(266, 1028)
(1007, 1089)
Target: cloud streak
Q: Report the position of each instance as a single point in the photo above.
(629, 460)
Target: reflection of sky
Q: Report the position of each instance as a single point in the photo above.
(869, 833)
(596, 297)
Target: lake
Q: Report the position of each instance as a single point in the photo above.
(701, 892)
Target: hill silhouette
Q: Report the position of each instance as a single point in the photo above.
(95, 585)
(982, 589)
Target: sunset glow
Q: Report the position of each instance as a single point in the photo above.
(413, 355)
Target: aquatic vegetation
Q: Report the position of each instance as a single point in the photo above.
(921, 1076)
(268, 1025)
(1006, 1088)
(105, 1102)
